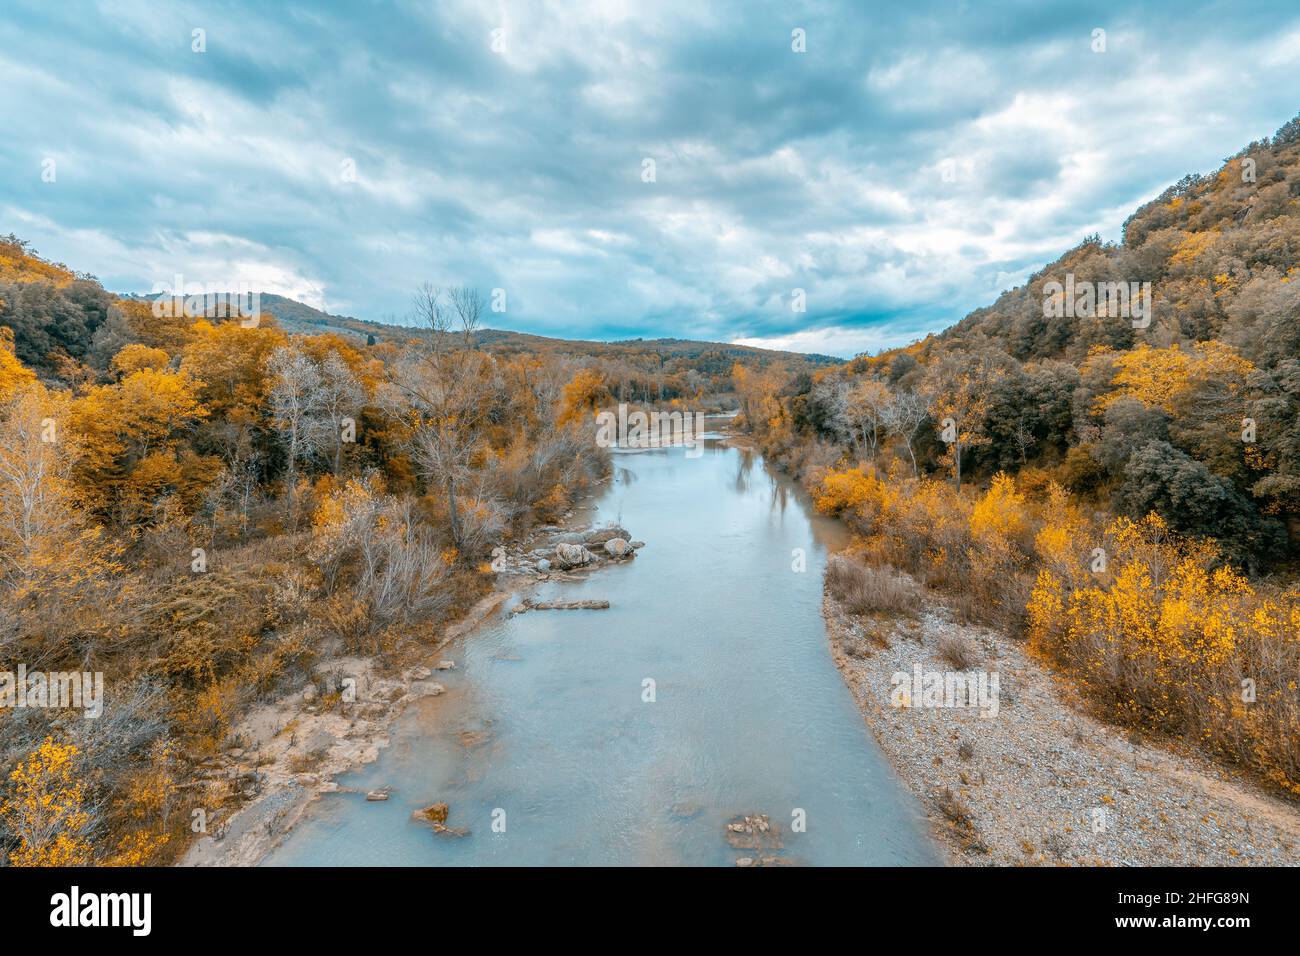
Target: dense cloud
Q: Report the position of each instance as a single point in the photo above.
(522, 169)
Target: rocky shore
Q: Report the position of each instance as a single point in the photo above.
(1042, 783)
(560, 551)
(283, 755)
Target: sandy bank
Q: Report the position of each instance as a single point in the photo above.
(1043, 783)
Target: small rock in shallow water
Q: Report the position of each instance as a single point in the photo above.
(754, 831)
(528, 604)
(446, 665)
(434, 813)
(375, 796)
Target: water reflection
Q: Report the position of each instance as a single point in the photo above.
(744, 466)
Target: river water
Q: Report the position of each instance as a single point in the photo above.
(546, 732)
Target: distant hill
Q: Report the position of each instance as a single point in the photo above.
(66, 328)
(299, 318)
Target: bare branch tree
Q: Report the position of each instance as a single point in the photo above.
(341, 397)
(296, 407)
(904, 417)
(439, 391)
(865, 406)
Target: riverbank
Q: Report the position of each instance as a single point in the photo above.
(290, 751)
(1042, 783)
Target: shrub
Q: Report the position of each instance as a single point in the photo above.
(957, 651)
(1166, 638)
(866, 590)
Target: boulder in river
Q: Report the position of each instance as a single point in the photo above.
(543, 565)
(572, 556)
(618, 548)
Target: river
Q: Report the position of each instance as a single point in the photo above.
(548, 748)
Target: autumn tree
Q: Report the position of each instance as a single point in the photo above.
(230, 362)
(583, 396)
(131, 434)
(866, 405)
(39, 513)
(438, 388)
(13, 374)
(957, 389)
(298, 410)
(46, 809)
(903, 417)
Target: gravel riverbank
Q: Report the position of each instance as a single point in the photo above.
(1043, 783)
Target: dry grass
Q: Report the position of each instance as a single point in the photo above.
(958, 652)
(867, 590)
(306, 763)
(963, 824)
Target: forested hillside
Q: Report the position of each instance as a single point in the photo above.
(1195, 416)
(1120, 486)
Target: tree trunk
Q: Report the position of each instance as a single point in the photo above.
(291, 477)
(451, 511)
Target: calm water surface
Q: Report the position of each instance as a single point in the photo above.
(544, 717)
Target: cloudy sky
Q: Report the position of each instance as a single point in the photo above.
(904, 169)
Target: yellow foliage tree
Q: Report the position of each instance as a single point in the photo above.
(137, 358)
(14, 375)
(46, 809)
(584, 394)
(128, 435)
(40, 519)
(1158, 377)
(230, 362)
(999, 517)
